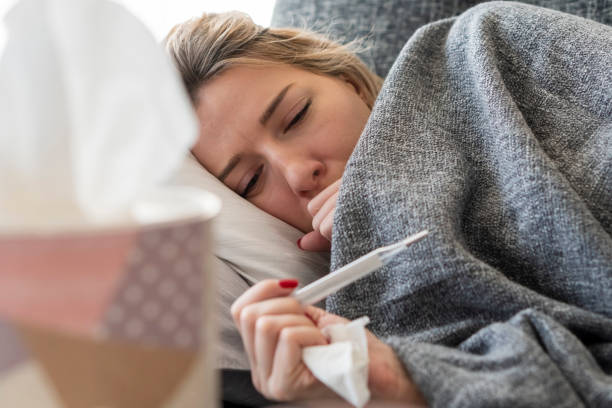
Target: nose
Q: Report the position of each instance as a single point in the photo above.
(302, 173)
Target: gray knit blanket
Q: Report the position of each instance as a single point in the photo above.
(494, 131)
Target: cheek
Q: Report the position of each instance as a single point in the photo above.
(284, 206)
(344, 130)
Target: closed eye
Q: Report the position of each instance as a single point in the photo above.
(252, 182)
(296, 119)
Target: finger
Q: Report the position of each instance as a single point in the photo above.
(327, 207)
(290, 378)
(267, 330)
(321, 318)
(253, 312)
(315, 204)
(263, 290)
(314, 241)
(325, 228)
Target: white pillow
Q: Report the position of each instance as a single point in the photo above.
(252, 245)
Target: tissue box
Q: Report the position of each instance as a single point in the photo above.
(114, 316)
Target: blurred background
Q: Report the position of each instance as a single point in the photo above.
(161, 15)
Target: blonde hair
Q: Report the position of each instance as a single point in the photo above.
(206, 46)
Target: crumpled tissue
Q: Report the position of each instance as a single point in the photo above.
(343, 364)
(92, 113)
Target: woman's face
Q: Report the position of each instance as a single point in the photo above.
(278, 135)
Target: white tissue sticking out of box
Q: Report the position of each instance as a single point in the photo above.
(342, 365)
(92, 113)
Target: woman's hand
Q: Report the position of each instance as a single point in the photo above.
(275, 328)
(322, 208)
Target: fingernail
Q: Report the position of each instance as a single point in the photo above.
(288, 283)
(298, 243)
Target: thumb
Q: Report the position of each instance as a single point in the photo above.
(322, 318)
(314, 241)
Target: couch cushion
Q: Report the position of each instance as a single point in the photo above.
(386, 25)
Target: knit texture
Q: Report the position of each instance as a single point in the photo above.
(494, 131)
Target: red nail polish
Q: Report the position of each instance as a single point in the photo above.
(288, 283)
(298, 243)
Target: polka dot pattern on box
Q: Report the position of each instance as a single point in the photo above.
(158, 301)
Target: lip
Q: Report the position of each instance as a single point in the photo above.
(312, 198)
(316, 194)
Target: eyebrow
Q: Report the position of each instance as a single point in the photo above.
(230, 166)
(273, 105)
(262, 119)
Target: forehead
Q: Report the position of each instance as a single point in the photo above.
(242, 89)
(229, 105)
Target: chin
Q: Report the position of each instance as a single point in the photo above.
(305, 230)
(305, 227)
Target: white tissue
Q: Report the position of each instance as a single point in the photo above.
(92, 113)
(342, 365)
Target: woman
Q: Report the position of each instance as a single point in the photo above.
(299, 128)
(285, 111)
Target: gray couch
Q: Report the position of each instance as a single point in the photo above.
(386, 25)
